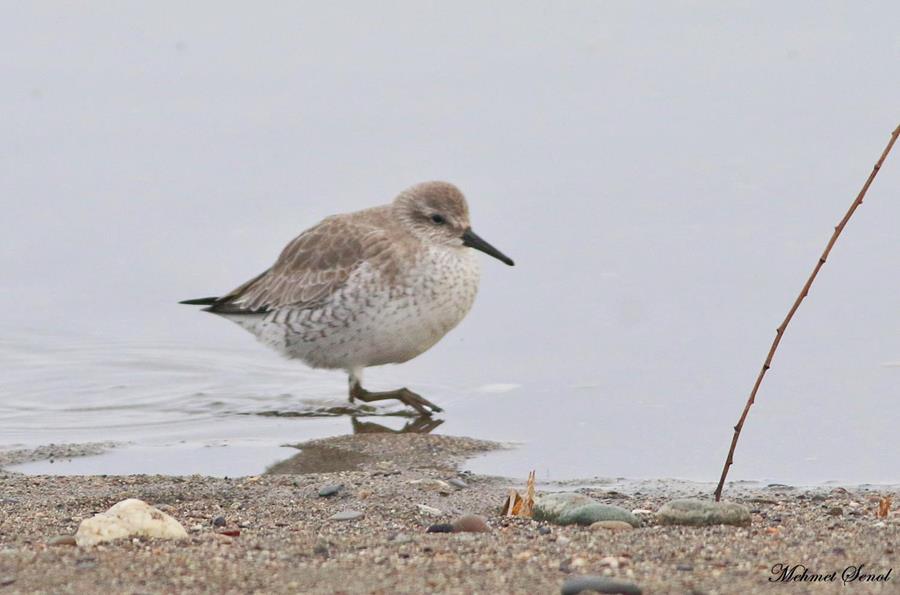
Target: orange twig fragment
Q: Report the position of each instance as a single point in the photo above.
(884, 507)
(516, 505)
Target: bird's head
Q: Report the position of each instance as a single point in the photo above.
(437, 213)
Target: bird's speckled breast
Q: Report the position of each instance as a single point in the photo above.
(425, 303)
(374, 320)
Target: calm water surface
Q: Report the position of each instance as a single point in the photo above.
(233, 411)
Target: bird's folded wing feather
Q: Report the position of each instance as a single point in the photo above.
(311, 268)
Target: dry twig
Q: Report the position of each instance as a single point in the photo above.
(779, 333)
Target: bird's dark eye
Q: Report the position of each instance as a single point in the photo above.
(438, 219)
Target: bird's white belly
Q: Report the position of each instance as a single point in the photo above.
(371, 321)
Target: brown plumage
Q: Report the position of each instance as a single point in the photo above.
(320, 260)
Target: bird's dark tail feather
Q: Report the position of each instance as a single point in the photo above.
(207, 301)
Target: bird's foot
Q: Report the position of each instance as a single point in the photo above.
(404, 395)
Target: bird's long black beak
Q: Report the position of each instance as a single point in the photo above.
(472, 240)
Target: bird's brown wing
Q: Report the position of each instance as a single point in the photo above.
(311, 267)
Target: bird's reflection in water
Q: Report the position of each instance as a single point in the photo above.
(351, 411)
(422, 424)
(317, 458)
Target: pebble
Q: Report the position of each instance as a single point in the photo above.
(684, 567)
(689, 511)
(321, 548)
(471, 523)
(457, 483)
(544, 530)
(346, 515)
(429, 510)
(567, 508)
(61, 540)
(219, 521)
(609, 561)
(763, 500)
(780, 486)
(329, 490)
(440, 528)
(599, 584)
(836, 511)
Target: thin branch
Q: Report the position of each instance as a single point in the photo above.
(779, 333)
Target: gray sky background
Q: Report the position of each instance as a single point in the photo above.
(664, 174)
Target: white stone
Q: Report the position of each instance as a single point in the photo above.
(131, 517)
(429, 510)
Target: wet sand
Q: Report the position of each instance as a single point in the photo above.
(287, 544)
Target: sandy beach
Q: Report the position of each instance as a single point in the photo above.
(273, 533)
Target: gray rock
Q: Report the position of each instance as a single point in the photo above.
(552, 505)
(599, 584)
(330, 490)
(577, 509)
(689, 511)
(346, 515)
(457, 483)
